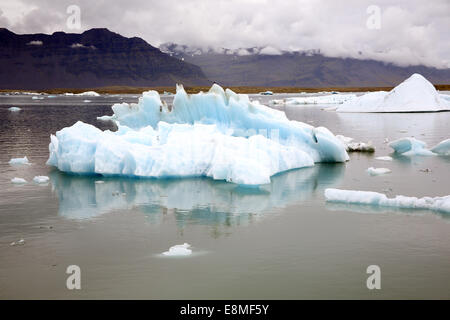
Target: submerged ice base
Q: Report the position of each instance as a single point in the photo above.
(218, 134)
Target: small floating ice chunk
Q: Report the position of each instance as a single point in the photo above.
(99, 181)
(88, 93)
(385, 158)
(409, 147)
(360, 147)
(379, 199)
(277, 102)
(37, 98)
(20, 242)
(16, 180)
(41, 179)
(105, 118)
(14, 109)
(179, 250)
(23, 160)
(442, 148)
(86, 101)
(377, 171)
(355, 146)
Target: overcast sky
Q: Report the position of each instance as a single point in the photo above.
(408, 32)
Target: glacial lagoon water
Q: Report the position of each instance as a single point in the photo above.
(281, 241)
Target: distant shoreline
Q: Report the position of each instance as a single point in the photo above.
(248, 90)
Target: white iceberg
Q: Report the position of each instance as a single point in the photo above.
(442, 148)
(16, 180)
(14, 109)
(41, 179)
(379, 199)
(410, 146)
(415, 94)
(324, 99)
(377, 171)
(15, 161)
(87, 101)
(37, 98)
(355, 146)
(87, 93)
(179, 250)
(218, 134)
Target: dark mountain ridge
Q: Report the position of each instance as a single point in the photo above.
(94, 58)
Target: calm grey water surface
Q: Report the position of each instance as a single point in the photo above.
(282, 241)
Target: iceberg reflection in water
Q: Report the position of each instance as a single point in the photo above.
(194, 200)
(374, 209)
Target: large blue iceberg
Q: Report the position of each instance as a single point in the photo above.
(218, 134)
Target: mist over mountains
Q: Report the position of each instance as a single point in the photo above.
(267, 66)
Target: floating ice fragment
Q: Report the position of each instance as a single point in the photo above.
(41, 179)
(442, 148)
(14, 109)
(88, 93)
(178, 250)
(360, 147)
(410, 147)
(377, 171)
(23, 160)
(327, 99)
(86, 101)
(356, 146)
(16, 180)
(104, 118)
(20, 242)
(379, 199)
(385, 158)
